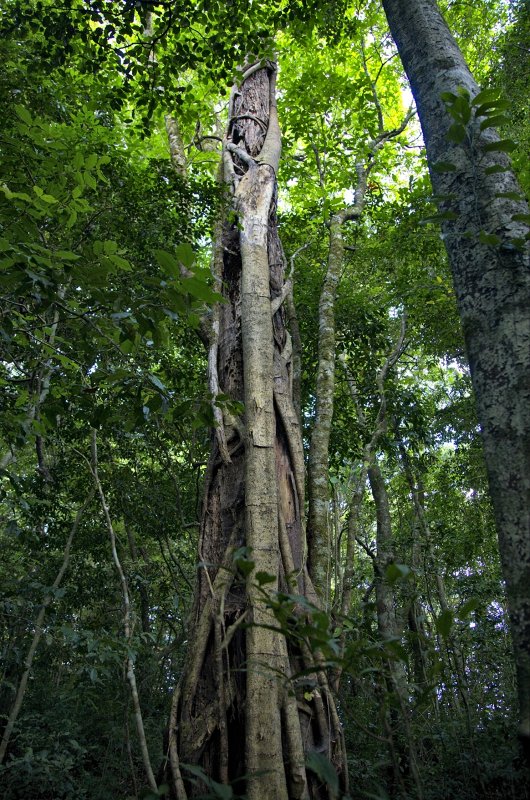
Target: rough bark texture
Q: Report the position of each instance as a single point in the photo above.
(492, 285)
(318, 472)
(318, 524)
(239, 710)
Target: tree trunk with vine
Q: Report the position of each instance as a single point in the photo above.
(239, 714)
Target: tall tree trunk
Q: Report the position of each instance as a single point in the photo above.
(492, 284)
(236, 711)
(400, 729)
(319, 545)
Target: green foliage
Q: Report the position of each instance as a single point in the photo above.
(104, 256)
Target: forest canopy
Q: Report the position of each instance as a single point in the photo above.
(265, 408)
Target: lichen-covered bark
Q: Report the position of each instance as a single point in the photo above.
(492, 285)
(238, 710)
(318, 477)
(318, 470)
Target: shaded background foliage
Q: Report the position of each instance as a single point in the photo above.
(99, 329)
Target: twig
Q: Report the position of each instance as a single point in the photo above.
(127, 621)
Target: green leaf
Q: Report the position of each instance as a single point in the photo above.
(90, 180)
(495, 169)
(444, 166)
(184, 253)
(72, 219)
(67, 255)
(121, 263)
(510, 195)
(456, 133)
(489, 238)
(219, 789)
(168, 263)
(502, 146)
(494, 122)
(521, 218)
(443, 216)
(110, 247)
(395, 572)
(444, 623)
(264, 577)
(487, 109)
(245, 566)
(460, 110)
(200, 290)
(485, 96)
(23, 114)
(157, 382)
(470, 605)
(324, 769)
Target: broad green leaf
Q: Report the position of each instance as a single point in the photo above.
(219, 790)
(184, 253)
(485, 96)
(72, 219)
(492, 108)
(121, 263)
(245, 566)
(456, 133)
(67, 255)
(444, 623)
(444, 166)
(90, 180)
(443, 216)
(201, 290)
(470, 605)
(23, 114)
(495, 169)
(502, 146)
(157, 382)
(264, 577)
(489, 238)
(324, 769)
(395, 572)
(168, 263)
(510, 195)
(460, 110)
(110, 247)
(494, 122)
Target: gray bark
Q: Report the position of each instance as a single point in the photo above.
(492, 285)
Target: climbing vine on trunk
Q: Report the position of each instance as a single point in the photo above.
(243, 680)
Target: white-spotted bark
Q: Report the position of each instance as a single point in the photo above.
(492, 284)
